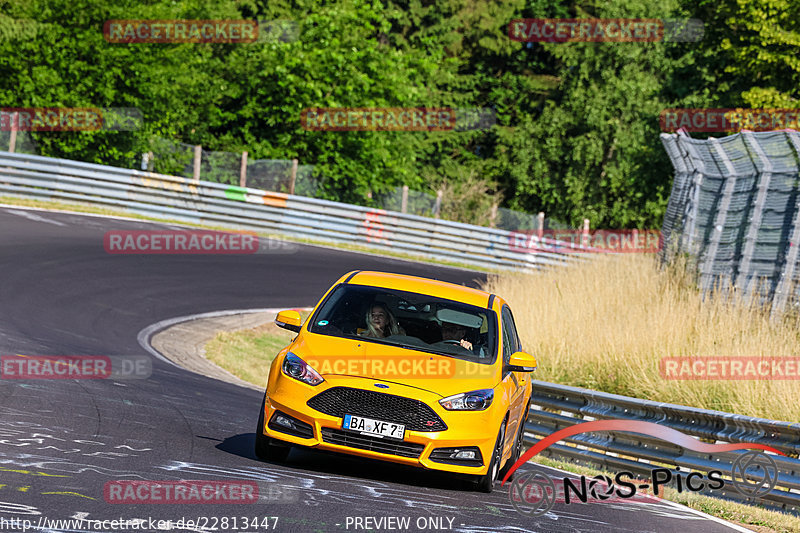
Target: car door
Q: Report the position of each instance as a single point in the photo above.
(513, 382)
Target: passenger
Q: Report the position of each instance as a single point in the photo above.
(381, 323)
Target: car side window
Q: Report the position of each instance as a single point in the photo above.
(508, 339)
(516, 343)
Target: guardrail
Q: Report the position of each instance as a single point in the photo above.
(202, 202)
(555, 407)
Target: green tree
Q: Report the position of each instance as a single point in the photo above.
(593, 152)
(748, 56)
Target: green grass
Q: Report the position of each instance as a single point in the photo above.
(248, 354)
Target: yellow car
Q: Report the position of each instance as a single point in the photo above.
(402, 369)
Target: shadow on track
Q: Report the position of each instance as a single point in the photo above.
(325, 462)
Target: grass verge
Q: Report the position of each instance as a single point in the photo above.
(247, 354)
(606, 324)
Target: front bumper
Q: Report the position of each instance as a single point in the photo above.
(464, 428)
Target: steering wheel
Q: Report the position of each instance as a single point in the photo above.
(451, 341)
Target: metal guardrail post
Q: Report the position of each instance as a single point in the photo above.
(710, 256)
(790, 263)
(754, 224)
(698, 167)
(404, 200)
(674, 229)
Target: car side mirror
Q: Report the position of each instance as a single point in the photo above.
(289, 320)
(522, 362)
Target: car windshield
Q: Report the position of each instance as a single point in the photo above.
(409, 320)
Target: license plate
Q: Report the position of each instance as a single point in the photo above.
(377, 428)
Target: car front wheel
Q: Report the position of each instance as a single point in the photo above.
(485, 483)
(517, 453)
(266, 448)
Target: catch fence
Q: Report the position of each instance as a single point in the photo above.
(735, 209)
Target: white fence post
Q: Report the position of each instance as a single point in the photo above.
(437, 207)
(198, 154)
(585, 234)
(294, 176)
(541, 225)
(12, 142)
(243, 170)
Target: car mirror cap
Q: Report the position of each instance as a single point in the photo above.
(289, 320)
(522, 362)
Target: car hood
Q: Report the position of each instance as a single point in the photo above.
(439, 374)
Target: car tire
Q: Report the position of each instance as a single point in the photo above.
(517, 453)
(266, 448)
(485, 483)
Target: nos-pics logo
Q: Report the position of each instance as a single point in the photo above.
(533, 493)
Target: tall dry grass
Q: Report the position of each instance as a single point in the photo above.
(606, 324)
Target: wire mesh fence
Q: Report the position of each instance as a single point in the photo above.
(416, 202)
(23, 143)
(511, 220)
(276, 175)
(176, 158)
(735, 209)
(427, 204)
(169, 157)
(232, 168)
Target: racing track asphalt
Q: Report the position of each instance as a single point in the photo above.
(62, 440)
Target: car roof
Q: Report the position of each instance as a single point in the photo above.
(433, 287)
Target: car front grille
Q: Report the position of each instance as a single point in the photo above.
(375, 444)
(413, 414)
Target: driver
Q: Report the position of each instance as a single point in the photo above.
(455, 332)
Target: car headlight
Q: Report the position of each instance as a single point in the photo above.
(296, 368)
(477, 400)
